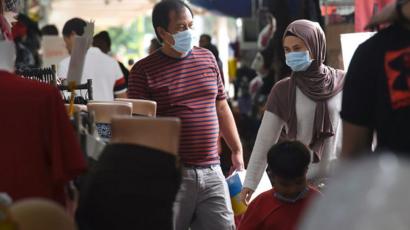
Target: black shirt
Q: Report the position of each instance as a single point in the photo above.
(377, 88)
(131, 187)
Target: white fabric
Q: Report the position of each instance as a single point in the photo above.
(8, 56)
(102, 69)
(271, 127)
(95, 146)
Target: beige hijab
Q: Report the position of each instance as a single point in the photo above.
(319, 83)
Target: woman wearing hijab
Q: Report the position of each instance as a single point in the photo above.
(304, 106)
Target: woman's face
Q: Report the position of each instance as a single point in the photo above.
(294, 44)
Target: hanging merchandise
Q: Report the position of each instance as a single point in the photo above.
(233, 8)
(365, 9)
(12, 5)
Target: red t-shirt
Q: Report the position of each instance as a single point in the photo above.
(39, 149)
(267, 212)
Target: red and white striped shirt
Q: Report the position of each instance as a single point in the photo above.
(186, 88)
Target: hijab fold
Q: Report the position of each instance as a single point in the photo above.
(319, 83)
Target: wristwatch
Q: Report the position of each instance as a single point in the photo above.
(399, 11)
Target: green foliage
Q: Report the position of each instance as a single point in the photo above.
(128, 41)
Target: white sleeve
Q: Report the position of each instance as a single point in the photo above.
(62, 68)
(268, 135)
(117, 71)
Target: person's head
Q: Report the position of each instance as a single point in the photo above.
(173, 21)
(288, 163)
(72, 27)
(102, 40)
(154, 45)
(130, 62)
(304, 43)
(205, 40)
(49, 30)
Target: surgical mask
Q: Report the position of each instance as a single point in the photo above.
(298, 61)
(184, 41)
(301, 195)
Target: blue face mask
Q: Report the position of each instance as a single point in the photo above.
(184, 41)
(298, 61)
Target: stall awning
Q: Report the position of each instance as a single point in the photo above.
(233, 8)
(105, 12)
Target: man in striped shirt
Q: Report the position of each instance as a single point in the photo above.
(185, 82)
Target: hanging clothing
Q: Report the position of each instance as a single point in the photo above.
(39, 150)
(11, 5)
(364, 10)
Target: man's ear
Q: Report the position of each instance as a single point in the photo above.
(161, 32)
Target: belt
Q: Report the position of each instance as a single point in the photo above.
(199, 166)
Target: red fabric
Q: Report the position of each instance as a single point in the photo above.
(39, 149)
(266, 212)
(364, 11)
(19, 30)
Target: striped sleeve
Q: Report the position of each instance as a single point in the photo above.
(137, 83)
(221, 89)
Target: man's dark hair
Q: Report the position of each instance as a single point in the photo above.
(155, 43)
(75, 25)
(207, 36)
(49, 30)
(289, 159)
(102, 40)
(161, 11)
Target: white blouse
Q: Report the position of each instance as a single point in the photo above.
(270, 130)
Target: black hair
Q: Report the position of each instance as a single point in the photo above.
(49, 30)
(289, 159)
(288, 33)
(207, 36)
(160, 13)
(102, 40)
(75, 25)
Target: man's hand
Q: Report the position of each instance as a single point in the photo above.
(121, 95)
(246, 195)
(237, 162)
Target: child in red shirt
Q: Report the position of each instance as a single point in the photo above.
(282, 206)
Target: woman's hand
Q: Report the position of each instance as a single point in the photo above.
(246, 195)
